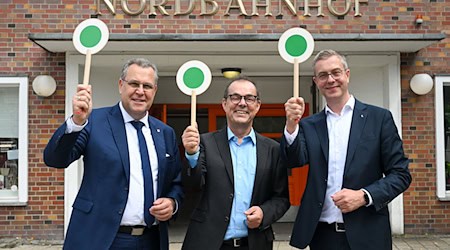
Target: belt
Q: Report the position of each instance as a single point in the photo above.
(337, 226)
(236, 242)
(135, 230)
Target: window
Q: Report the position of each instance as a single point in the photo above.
(13, 141)
(442, 102)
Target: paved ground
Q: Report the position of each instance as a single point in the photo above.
(282, 235)
(433, 242)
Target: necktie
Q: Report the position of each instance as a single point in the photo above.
(146, 169)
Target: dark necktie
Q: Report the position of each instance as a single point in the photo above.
(146, 169)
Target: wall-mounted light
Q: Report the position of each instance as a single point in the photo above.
(419, 19)
(421, 84)
(231, 73)
(44, 85)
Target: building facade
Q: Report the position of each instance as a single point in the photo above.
(387, 42)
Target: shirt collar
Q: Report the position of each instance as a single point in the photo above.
(350, 104)
(127, 117)
(251, 135)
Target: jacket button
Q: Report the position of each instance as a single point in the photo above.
(231, 196)
(320, 204)
(227, 218)
(120, 211)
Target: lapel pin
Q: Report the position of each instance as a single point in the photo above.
(158, 130)
(362, 116)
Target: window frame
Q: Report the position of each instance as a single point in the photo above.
(440, 82)
(22, 192)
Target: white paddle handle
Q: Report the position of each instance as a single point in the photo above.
(296, 78)
(193, 107)
(87, 67)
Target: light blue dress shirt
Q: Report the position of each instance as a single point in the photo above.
(244, 170)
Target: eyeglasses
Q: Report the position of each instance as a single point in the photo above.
(135, 85)
(335, 74)
(249, 99)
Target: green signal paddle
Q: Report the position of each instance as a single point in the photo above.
(89, 37)
(295, 46)
(193, 78)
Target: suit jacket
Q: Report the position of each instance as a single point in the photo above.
(375, 161)
(100, 202)
(210, 218)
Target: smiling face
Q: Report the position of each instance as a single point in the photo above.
(137, 90)
(334, 87)
(241, 115)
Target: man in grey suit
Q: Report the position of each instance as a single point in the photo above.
(356, 164)
(244, 180)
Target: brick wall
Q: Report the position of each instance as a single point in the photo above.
(424, 213)
(43, 217)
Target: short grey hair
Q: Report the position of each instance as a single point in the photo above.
(325, 54)
(141, 62)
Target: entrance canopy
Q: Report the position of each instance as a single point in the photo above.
(256, 54)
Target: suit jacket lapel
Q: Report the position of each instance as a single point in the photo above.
(262, 153)
(160, 145)
(116, 122)
(322, 133)
(224, 151)
(358, 121)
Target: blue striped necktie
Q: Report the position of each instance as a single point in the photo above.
(146, 169)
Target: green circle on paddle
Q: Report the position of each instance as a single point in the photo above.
(193, 77)
(90, 36)
(296, 45)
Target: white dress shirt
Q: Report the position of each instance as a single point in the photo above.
(338, 126)
(134, 210)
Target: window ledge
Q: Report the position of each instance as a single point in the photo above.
(446, 198)
(13, 204)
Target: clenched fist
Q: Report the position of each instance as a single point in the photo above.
(294, 107)
(191, 139)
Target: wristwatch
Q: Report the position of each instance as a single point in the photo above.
(366, 198)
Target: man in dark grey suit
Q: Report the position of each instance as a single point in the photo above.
(117, 206)
(356, 164)
(245, 182)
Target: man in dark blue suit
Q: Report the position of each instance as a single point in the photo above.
(120, 204)
(356, 164)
